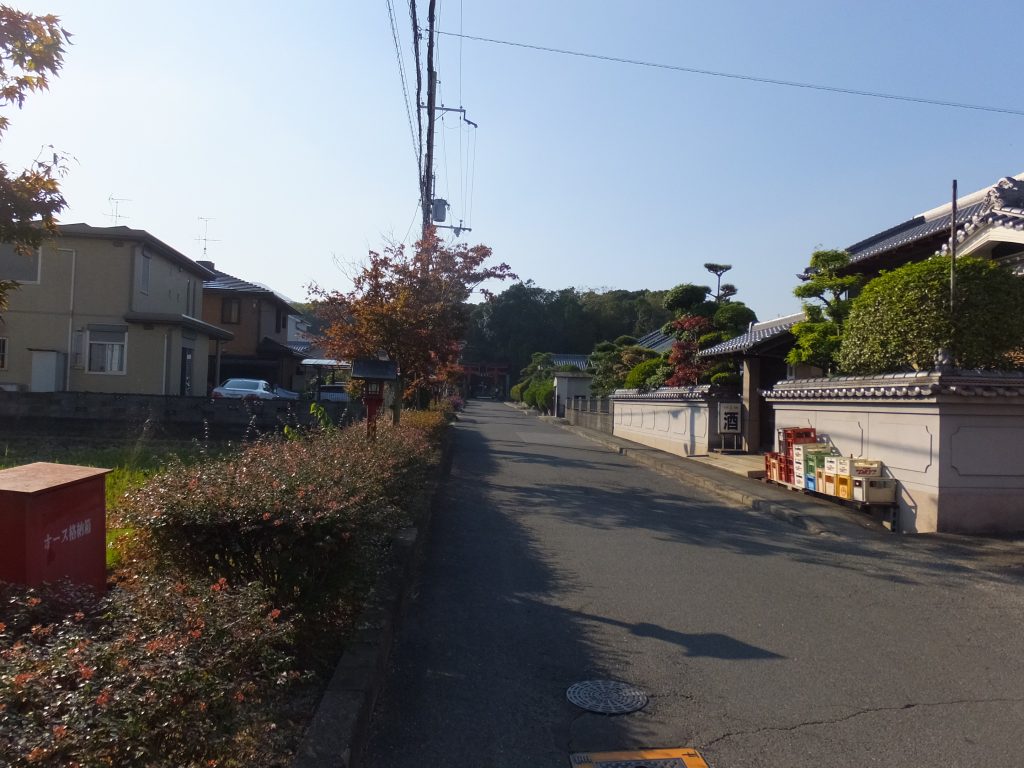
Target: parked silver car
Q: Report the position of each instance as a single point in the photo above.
(252, 389)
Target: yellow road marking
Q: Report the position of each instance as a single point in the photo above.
(688, 758)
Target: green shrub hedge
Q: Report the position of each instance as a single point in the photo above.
(901, 318)
(231, 597)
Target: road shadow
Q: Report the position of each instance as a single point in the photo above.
(483, 659)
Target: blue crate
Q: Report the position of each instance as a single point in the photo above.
(811, 482)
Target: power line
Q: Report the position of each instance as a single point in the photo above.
(734, 76)
(405, 86)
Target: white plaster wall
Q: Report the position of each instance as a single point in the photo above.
(568, 387)
(960, 464)
(683, 429)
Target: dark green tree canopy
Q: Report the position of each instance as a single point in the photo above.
(901, 318)
(525, 318)
(689, 299)
(818, 337)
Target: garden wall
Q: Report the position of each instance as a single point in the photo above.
(93, 414)
(590, 413)
(678, 420)
(954, 441)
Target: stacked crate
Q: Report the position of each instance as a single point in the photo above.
(789, 440)
(803, 462)
(807, 459)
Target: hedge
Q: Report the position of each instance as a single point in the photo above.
(902, 318)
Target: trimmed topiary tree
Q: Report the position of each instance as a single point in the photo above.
(901, 318)
(650, 374)
(819, 336)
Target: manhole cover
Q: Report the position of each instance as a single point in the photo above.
(644, 758)
(609, 697)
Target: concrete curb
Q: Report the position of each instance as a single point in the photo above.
(337, 733)
(671, 466)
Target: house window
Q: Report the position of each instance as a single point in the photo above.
(3, 353)
(145, 264)
(231, 311)
(19, 267)
(280, 320)
(106, 351)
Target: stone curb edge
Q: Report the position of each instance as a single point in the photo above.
(805, 522)
(337, 733)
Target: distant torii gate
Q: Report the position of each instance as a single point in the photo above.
(485, 378)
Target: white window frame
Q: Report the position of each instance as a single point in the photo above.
(3, 353)
(88, 355)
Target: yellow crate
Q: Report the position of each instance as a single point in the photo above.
(844, 486)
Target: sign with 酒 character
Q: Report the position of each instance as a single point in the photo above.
(729, 418)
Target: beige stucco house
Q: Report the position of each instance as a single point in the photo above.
(105, 309)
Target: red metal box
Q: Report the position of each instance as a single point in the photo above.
(53, 524)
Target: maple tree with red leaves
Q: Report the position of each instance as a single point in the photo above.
(410, 306)
(688, 368)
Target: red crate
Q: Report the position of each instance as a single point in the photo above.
(786, 469)
(791, 436)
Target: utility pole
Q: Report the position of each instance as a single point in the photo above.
(427, 182)
(952, 257)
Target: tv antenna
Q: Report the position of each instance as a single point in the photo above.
(204, 239)
(115, 203)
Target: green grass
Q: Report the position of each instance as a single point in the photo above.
(131, 464)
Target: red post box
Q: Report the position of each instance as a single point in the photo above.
(53, 524)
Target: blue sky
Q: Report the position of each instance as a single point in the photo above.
(287, 128)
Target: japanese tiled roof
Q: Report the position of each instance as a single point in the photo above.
(1002, 204)
(656, 340)
(223, 282)
(758, 334)
(698, 392)
(919, 385)
(272, 346)
(578, 361)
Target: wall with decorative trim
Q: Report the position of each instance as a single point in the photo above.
(954, 441)
(679, 420)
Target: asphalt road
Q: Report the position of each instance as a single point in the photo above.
(553, 560)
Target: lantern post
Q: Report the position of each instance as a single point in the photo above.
(373, 374)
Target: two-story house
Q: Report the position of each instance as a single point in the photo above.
(258, 318)
(105, 309)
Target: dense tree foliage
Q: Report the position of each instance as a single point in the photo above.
(612, 362)
(690, 299)
(818, 337)
(525, 318)
(410, 306)
(31, 52)
(902, 318)
(687, 368)
(650, 374)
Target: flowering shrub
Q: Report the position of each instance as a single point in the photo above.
(231, 595)
(281, 512)
(431, 423)
(160, 672)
